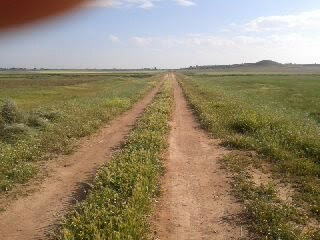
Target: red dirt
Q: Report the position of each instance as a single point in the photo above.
(196, 202)
(34, 216)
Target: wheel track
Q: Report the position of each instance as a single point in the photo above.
(196, 201)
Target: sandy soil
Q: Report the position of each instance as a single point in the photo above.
(285, 191)
(196, 202)
(34, 216)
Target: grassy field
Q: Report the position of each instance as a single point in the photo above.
(121, 197)
(42, 115)
(276, 116)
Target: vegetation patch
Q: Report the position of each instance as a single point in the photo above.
(270, 217)
(277, 125)
(44, 116)
(121, 196)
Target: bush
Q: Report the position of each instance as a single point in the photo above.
(316, 116)
(49, 115)
(9, 112)
(243, 126)
(34, 120)
(11, 133)
(41, 118)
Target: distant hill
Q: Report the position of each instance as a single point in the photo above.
(267, 63)
(261, 66)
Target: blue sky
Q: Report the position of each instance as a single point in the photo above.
(168, 34)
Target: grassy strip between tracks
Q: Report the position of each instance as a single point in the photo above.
(121, 196)
(290, 142)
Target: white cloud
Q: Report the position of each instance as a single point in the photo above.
(185, 3)
(220, 49)
(303, 21)
(145, 4)
(142, 41)
(114, 38)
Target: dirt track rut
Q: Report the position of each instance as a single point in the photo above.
(34, 216)
(196, 201)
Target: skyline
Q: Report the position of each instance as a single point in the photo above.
(168, 34)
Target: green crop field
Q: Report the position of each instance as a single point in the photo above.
(41, 115)
(278, 117)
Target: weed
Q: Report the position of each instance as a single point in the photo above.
(11, 133)
(267, 215)
(9, 112)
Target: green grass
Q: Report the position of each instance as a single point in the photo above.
(267, 215)
(276, 116)
(35, 90)
(121, 197)
(52, 111)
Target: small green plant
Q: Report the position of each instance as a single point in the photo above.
(267, 215)
(41, 118)
(11, 133)
(37, 121)
(9, 112)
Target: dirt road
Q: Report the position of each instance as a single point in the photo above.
(33, 217)
(196, 201)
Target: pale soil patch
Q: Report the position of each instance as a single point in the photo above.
(262, 176)
(197, 202)
(285, 191)
(35, 215)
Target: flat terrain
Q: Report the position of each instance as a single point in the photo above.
(43, 115)
(295, 94)
(219, 156)
(31, 91)
(196, 202)
(271, 122)
(33, 217)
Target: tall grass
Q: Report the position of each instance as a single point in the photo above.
(121, 197)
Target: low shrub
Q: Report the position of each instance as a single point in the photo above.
(9, 112)
(12, 133)
(41, 118)
(37, 121)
